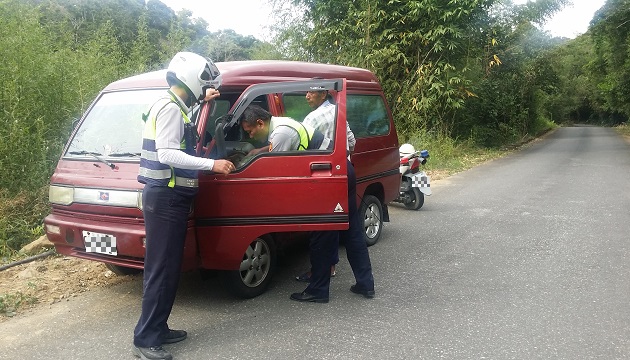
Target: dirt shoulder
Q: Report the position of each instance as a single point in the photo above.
(47, 281)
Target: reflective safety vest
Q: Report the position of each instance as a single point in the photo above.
(310, 138)
(152, 171)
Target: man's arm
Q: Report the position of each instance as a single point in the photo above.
(261, 150)
(169, 131)
(351, 140)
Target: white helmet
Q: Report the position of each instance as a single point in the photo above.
(406, 149)
(195, 72)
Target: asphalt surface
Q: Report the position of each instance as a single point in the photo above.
(526, 257)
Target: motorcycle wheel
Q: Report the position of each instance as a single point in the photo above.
(417, 199)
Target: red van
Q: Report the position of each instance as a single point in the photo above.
(238, 220)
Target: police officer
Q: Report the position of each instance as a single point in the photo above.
(168, 168)
(281, 133)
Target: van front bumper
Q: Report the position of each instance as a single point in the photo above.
(66, 233)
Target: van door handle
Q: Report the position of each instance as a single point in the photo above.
(321, 166)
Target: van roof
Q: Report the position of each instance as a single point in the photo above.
(240, 74)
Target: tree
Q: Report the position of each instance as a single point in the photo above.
(227, 45)
(432, 56)
(610, 30)
(143, 53)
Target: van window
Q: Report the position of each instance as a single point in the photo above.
(114, 125)
(219, 108)
(295, 106)
(298, 109)
(367, 115)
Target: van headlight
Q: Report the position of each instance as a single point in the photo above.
(62, 195)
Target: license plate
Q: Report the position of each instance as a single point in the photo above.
(99, 243)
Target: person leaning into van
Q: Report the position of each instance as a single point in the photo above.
(326, 243)
(281, 133)
(169, 170)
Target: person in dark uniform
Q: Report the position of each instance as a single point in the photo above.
(169, 170)
(323, 248)
(323, 245)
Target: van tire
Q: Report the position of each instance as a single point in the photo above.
(257, 268)
(122, 270)
(371, 213)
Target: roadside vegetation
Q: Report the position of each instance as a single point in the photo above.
(466, 79)
(624, 129)
(11, 303)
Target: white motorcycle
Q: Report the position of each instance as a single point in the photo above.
(414, 184)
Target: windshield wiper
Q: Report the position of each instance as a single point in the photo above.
(94, 155)
(125, 154)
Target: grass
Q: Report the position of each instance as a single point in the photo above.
(623, 129)
(10, 303)
(21, 220)
(448, 156)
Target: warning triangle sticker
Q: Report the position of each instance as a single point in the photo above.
(338, 208)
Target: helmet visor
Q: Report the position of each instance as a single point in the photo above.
(206, 74)
(210, 76)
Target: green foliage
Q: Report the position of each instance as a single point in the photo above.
(227, 45)
(611, 68)
(448, 156)
(21, 218)
(593, 71)
(461, 68)
(623, 129)
(459, 75)
(56, 56)
(10, 303)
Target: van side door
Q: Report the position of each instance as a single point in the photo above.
(275, 192)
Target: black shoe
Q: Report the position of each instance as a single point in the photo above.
(306, 277)
(152, 353)
(366, 293)
(174, 336)
(306, 297)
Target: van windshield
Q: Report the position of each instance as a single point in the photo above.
(113, 127)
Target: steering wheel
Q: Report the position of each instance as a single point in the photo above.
(217, 141)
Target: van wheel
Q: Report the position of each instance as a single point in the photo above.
(256, 270)
(372, 212)
(122, 270)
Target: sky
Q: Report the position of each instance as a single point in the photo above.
(245, 17)
(573, 20)
(250, 17)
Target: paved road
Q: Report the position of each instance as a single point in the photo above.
(526, 257)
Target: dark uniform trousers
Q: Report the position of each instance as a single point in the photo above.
(323, 248)
(165, 217)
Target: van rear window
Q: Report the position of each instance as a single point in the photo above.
(367, 115)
